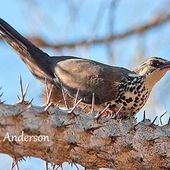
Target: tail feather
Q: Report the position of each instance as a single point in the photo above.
(37, 61)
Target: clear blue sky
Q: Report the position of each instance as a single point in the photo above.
(59, 26)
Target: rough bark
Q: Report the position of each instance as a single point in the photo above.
(115, 144)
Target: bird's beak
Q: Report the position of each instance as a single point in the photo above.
(166, 66)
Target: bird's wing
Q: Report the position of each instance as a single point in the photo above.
(90, 77)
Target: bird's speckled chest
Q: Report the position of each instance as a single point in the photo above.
(132, 96)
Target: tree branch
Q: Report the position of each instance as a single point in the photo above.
(154, 23)
(120, 144)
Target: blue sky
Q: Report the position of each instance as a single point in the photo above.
(58, 25)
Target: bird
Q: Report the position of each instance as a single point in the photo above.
(112, 89)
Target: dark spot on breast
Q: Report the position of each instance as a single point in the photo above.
(135, 105)
(139, 94)
(138, 87)
(133, 113)
(136, 98)
(132, 108)
(130, 99)
(135, 92)
(131, 89)
(124, 103)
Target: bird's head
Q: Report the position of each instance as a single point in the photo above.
(153, 69)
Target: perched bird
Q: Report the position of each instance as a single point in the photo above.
(113, 89)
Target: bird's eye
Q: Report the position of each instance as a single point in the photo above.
(156, 63)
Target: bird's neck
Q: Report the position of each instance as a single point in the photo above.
(153, 78)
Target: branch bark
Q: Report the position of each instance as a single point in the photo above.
(116, 144)
(152, 24)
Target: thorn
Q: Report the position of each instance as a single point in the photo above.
(75, 106)
(46, 165)
(1, 94)
(1, 102)
(134, 127)
(64, 97)
(114, 138)
(144, 116)
(72, 163)
(53, 166)
(48, 106)
(160, 119)
(23, 92)
(30, 102)
(117, 113)
(169, 121)
(63, 125)
(60, 166)
(101, 112)
(76, 98)
(14, 164)
(154, 120)
(93, 102)
(92, 129)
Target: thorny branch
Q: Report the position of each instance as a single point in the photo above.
(120, 144)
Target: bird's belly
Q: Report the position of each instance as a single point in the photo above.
(130, 102)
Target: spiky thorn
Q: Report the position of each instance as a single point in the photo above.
(64, 96)
(74, 107)
(76, 97)
(92, 104)
(168, 121)
(113, 138)
(63, 125)
(144, 116)
(73, 145)
(74, 164)
(160, 119)
(92, 129)
(53, 166)
(152, 123)
(21, 99)
(46, 165)
(99, 114)
(48, 94)
(1, 102)
(117, 113)
(59, 166)
(14, 164)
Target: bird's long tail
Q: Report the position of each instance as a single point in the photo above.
(37, 61)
